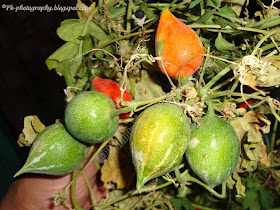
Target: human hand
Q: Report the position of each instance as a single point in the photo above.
(33, 191)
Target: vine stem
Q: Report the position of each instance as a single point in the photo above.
(205, 89)
(111, 42)
(186, 177)
(128, 120)
(86, 29)
(92, 196)
(222, 84)
(143, 190)
(231, 93)
(88, 163)
(128, 15)
(73, 191)
(180, 4)
(231, 18)
(203, 71)
(275, 126)
(133, 105)
(262, 41)
(273, 111)
(271, 166)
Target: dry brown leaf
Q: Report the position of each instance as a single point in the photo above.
(37, 125)
(190, 93)
(235, 181)
(84, 11)
(263, 159)
(32, 126)
(229, 110)
(250, 144)
(240, 126)
(258, 120)
(117, 171)
(252, 151)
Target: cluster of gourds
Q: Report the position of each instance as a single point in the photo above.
(161, 134)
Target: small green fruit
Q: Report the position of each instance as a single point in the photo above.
(213, 150)
(90, 117)
(54, 152)
(158, 141)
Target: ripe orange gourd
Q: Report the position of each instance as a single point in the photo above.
(177, 43)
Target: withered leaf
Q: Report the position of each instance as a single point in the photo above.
(84, 11)
(234, 181)
(240, 188)
(117, 170)
(111, 196)
(248, 166)
(252, 151)
(32, 126)
(258, 120)
(146, 88)
(263, 159)
(250, 144)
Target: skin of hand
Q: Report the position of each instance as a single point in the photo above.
(35, 192)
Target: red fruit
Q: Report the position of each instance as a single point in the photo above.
(112, 90)
(177, 43)
(249, 101)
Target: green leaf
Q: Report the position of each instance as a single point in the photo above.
(267, 23)
(194, 3)
(87, 45)
(222, 44)
(75, 63)
(99, 54)
(226, 10)
(208, 15)
(71, 32)
(266, 201)
(63, 68)
(182, 203)
(213, 3)
(149, 14)
(65, 52)
(116, 11)
(69, 21)
(251, 200)
(82, 82)
(95, 31)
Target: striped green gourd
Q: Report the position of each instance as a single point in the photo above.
(158, 141)
(54, 152)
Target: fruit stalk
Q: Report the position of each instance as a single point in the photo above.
(135, 104)
(87, 165)
(73, 192)
(186, 177)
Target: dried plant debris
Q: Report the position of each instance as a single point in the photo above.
(249, 130)
(117, 170)
(32, 126)
(256, 72)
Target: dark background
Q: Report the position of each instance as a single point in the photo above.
(26, 85)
